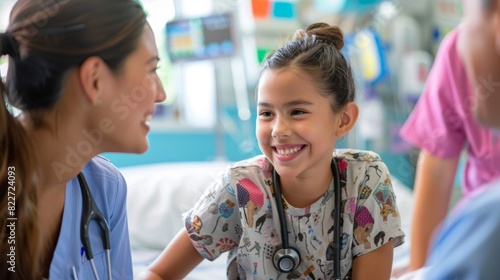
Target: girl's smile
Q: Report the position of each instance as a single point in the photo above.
(288, 152)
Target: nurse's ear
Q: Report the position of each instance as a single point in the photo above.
(348, 119)
(91, 75)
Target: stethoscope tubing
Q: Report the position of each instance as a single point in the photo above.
(336, 235)
(90, 211)
(337, 215)
(281, 211)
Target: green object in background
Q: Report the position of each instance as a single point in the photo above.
(262, 53)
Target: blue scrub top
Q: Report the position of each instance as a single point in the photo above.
(109, 190)
(467, 247)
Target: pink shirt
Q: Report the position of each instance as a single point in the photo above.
(442, 123)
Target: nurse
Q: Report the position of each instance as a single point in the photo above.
(467, 245)
(450, 130)
(83, 75)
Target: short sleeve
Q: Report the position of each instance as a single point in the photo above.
(376, 220)
(119, 235)
(213, 224)
(436, 123)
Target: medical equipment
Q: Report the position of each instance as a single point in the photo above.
(90, 212)
(287, 259)
(345, 6)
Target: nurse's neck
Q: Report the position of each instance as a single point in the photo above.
(57, 160)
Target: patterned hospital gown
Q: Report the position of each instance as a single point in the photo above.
(238, 213)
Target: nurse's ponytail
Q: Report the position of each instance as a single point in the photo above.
(19, 236)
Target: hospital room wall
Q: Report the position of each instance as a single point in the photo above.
(174, 138)
(235, 139)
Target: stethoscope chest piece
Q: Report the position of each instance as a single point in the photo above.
(286, 260)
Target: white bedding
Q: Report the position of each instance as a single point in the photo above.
(159, 193)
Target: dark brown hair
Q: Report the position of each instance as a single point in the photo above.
(46, 39)
(316, 52)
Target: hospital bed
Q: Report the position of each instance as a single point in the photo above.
(159, 193)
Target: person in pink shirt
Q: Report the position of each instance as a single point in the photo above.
(442, 126)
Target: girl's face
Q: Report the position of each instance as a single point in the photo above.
(130, 104)
(296, 127)
(480, 42)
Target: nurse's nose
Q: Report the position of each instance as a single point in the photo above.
(161, 95)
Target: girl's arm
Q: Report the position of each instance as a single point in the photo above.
(176, 261)
(374, 265)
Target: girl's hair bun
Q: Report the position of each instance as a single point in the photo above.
(323, 32)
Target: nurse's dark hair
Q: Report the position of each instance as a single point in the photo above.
(44, 41)
(316, 54)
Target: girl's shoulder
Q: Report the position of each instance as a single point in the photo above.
(257, 169)
(365, 162)
(354, 155)
(259, 162)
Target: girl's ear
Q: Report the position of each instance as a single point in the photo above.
(90, 76)
(348, 119)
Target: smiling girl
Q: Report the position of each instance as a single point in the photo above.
(305, 102)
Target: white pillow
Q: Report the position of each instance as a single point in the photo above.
(158, 194)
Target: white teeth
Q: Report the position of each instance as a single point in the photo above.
(287, 152)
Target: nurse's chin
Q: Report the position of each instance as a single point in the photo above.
(137, 148)
(488, 118)
(142, 149)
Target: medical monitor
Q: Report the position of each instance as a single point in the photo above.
(200, 38)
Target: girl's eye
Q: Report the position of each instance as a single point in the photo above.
(265, 114)
(297, 112)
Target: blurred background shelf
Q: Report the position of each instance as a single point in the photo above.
(211, 52)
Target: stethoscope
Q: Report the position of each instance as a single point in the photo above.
(90, 212)
(287, 259)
